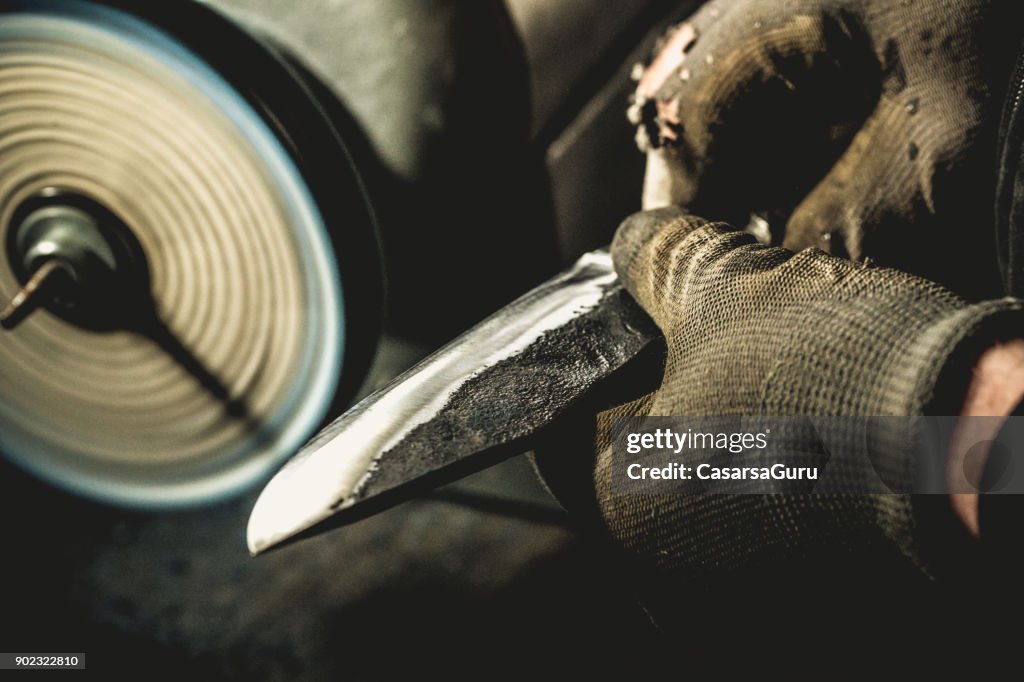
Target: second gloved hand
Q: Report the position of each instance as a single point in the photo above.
(863, 127)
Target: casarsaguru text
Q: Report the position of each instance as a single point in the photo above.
(707, 472)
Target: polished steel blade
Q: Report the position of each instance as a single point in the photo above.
(477, 400)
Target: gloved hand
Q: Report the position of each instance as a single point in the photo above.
(865, 127)
(758, 330)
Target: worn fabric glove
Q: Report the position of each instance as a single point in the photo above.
(759, 330)
(865, 127)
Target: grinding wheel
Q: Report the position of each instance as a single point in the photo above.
(199, 276)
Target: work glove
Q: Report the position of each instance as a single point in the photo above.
(759, 330)
(866, 128)
(862, 128)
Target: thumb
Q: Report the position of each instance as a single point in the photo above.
(653, 250)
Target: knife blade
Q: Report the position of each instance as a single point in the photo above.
(484, 397)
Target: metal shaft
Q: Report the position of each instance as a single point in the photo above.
(34, 294)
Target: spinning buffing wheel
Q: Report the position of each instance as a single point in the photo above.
(191, 263)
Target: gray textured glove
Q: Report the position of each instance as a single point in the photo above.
(866, 127)
(756, 330)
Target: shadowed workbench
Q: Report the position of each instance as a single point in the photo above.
(484, 578)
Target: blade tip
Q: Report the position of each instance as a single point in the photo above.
(289, 505)
(316, 484)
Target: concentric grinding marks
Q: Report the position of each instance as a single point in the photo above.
(191, 370)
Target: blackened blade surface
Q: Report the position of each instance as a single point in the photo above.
(477, 400)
